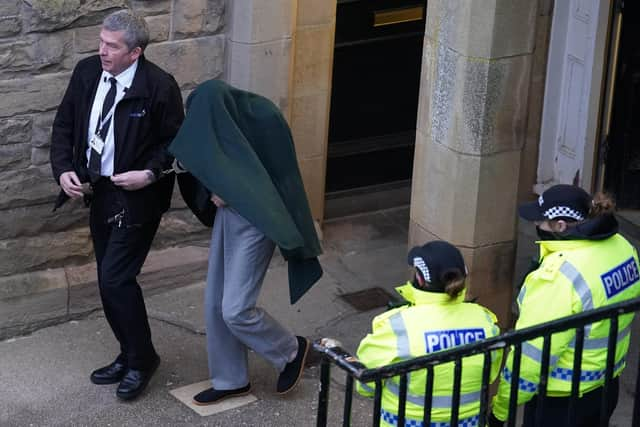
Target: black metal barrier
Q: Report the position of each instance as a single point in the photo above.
(332, 353)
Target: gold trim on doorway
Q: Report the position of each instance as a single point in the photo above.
(397, 16)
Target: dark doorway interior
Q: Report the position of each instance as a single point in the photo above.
(374, 100)
(622, 170)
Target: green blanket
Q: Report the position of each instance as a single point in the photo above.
(238, 145)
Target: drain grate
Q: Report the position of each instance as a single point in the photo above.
(368, 299)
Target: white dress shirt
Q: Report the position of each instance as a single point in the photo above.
(124, 80)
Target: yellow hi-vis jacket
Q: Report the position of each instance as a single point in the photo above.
(574, 276)
(432, 322)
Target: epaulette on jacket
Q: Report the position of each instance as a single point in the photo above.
(551, 266)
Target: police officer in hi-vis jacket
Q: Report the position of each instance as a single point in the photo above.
(436, 319)
(584, 264)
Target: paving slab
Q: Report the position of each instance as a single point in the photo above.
(185, 395)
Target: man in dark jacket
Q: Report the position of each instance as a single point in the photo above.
(108, 144)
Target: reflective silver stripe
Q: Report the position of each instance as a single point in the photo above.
(440, 402)
(494, 328)
(534, 353)
(581, 287)
(601, 343)
(397, 324)
(521, 295)
(367, 388)
(579, 284)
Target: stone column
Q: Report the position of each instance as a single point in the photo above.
(283, 49)
(259, 43)
(311, 94)
(472, 124)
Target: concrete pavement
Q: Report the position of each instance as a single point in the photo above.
(44, 376)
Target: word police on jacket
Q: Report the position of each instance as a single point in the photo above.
(620, 277)
(442, 340)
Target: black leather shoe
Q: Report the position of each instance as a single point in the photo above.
(135, 381)
(293, 370)
(109, 374)
(211, 395)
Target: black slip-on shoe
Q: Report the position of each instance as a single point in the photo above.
(293, 370)
(110, 374)
(135, 381)
(211, 395)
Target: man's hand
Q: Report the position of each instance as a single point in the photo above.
(133, 180)
(217, 201)
(71, 185)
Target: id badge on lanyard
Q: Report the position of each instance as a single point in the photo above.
(97, 142)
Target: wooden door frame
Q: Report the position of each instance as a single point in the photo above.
(546, 175)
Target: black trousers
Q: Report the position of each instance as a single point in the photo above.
(121, 249)
(587, 408)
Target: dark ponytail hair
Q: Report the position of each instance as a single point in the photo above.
(601, 204)
(454, 282)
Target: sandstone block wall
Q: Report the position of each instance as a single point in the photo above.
(476, 111)
(41, 252)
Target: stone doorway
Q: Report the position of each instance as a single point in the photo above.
(622, 158)
(374, 102)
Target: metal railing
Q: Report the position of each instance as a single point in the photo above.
(332, 353)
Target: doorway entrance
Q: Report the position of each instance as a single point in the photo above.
(622, 150)
(374, 99)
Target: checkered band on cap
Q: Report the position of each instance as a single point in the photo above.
(562, 211)
(420, 265)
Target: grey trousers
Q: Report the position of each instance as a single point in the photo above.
(238, 260)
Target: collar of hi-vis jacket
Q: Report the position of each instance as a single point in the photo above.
(418, 297)
(549, 246)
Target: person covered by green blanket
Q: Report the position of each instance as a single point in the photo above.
(243, 171)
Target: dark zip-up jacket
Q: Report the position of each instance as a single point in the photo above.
(146, 120)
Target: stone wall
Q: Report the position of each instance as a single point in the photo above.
(472, 126)
(45, 257)
(311, 94)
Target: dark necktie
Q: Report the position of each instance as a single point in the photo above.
(95, 160)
